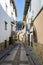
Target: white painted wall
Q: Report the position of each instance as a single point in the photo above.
(4, 34)
(9, 6)
(36, 5)
(42, 3)
(5, 16)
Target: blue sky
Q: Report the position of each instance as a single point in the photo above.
(20, 8)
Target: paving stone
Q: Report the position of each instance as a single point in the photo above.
(23, 56)
(12, 56)
(6, 64)
(22, 47)
(24, 64)
(15, 49)
(17, 57)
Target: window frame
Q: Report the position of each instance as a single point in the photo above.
(5, 25)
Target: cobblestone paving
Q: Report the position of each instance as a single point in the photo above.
(17, 57)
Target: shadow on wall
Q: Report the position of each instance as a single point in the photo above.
(35, 35)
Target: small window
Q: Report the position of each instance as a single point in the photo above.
(6, 6)
(30, 7)
(5, 25)
(11, 13)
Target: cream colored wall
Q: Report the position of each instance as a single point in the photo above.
(38, 23)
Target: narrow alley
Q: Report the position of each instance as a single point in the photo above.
(21, 32)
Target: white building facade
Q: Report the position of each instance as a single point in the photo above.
(7, 15)
(34, 8)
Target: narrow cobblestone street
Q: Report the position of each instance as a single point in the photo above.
(17, 57)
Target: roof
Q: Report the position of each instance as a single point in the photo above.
(14, 6)
(27, 4)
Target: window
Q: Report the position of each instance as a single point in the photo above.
(5, 25)
(30, 7)
(11, 13)
(6, 6)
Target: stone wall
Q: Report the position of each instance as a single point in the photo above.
(2, 45)
(38, 37)
(38, 49)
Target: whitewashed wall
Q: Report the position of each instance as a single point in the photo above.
(9, 7)
(35, 6)
(5, 16)
(42, 3)
(4, 34)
